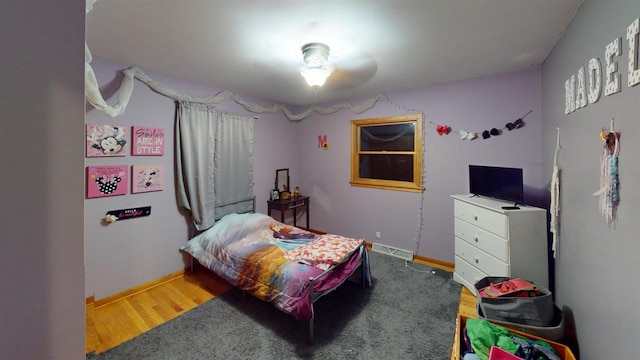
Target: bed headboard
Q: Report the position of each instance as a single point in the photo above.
(242, 206)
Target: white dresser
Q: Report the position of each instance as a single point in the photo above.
(491, 241)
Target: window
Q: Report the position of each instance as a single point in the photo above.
(386, 153)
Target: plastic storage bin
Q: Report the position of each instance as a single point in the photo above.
(536, 311)
(555, 331)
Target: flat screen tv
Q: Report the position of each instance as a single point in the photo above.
(497, 182)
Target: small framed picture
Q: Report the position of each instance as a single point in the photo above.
(106, 140)
(275, 195)
(147, 141)
(147, 178)
(107, 180)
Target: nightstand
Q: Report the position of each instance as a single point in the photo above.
(292, 203)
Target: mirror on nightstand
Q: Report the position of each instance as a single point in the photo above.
(282, 180)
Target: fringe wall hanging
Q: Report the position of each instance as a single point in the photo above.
(555, 199)
(609, 181)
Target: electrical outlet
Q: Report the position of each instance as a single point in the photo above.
(378, 235)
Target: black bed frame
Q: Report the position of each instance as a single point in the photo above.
(313, 296)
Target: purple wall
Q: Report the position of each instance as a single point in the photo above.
(128, 253)
(42, 310)
(592, 254)
(472, 105)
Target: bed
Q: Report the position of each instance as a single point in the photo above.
(287, 266)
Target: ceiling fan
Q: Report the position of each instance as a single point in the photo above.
(316, 58)
(343, 66)
(342, 69)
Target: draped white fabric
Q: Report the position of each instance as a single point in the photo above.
(92, 92)
(214, 162)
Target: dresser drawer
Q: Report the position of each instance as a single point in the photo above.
(484, 240)
(480, 259)
(489, 220)
(468, 274)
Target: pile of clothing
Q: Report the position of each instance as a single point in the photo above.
(480, 335)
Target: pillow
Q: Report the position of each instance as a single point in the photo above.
(324, 252)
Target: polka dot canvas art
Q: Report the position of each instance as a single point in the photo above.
(108, 180)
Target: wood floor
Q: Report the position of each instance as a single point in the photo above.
(112, 322)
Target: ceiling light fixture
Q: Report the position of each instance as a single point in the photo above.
(316, 56)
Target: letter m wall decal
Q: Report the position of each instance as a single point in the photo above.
(321, 140)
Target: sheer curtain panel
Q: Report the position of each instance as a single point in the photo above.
(214, 162)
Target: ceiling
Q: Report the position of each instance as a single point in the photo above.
(253, 47)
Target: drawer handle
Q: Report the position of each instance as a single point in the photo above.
(475, 217)
(475, 258)
(475, 238)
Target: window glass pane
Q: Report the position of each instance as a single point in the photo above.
(398, 137)
(386, 153)
(387, 167)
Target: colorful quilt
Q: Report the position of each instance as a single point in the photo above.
(273, 261)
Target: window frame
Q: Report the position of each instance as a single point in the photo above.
(357, 181)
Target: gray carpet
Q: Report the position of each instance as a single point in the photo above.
(408, 313)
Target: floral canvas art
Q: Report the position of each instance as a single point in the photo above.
(106, 140)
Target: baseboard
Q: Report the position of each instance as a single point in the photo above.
(404, 254)
(444, 265)
(140, 288)
(393, 251)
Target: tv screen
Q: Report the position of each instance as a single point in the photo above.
(497, 182)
